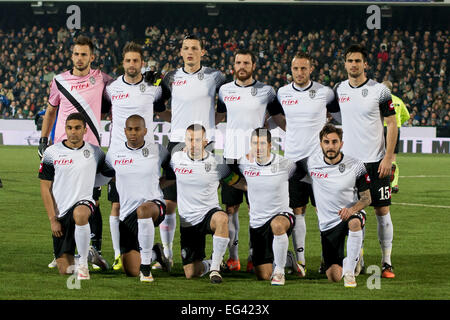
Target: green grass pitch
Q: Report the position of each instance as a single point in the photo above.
(421, 250)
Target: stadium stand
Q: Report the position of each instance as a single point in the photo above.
(415, 61)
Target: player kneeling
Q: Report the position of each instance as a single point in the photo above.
(137, 166)
(198, 174)
(67, 174)
(341, 188)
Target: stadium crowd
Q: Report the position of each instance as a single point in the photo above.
(416, 63)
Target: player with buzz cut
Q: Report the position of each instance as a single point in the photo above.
(364, 104)
(81, 89)
(67, 176)
(192, 90)
(271, 219)
(132, 93)
(305, 104)
(401, 115)
(200, 213)
(341, 189)
(137, 167)
(244, 102)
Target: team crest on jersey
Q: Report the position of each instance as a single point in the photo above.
(92, 80)
(145, 152)
(254, 91)
(201, 76)
(207, 167)
(312, 94)
(341, 167)
(365, 92)
(142, 87)
(86, 153)
(274, 168)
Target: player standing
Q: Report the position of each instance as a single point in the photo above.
(401, 115)
(80, 89)
(245, 103)
(129, 94)
(200, 213)
(67, 174)
(341, 188)
(192, 90)
(364, 103)
(137, 166)
(305, 104)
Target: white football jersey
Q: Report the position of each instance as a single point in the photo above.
(128, 99)
(246, 108)
(306, 114)
(363, 110)
(267, 187)
(192, 100)
(137, 173)
(197, 184)
(335, 186)
(72, 171)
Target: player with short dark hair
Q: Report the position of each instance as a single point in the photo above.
(271, 219)
(67, 174)
(137, 166)
(81, 89)
(341, 188)
(200, 213)
(363, 104)
(245, 102)
(305, 104)
(129, 94)
(192, 90)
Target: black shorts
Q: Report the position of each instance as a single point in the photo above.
(113, 195)
(232, 196)
(380, 189)
(129, 228)
(398, 139)
(333, 241)
(66, 243)
(96, 193)
(193, 239)
(262, 238)
(300, 193)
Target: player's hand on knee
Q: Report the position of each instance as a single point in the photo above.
(346, 213)
(43, 144)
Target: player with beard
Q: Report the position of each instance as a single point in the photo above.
(192, 90)
(81, 89)
(129, 94)
(341, 188)
(245, 103)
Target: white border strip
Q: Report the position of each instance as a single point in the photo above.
(420, 205)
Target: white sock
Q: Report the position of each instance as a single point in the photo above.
(354, 242)
(146, 235)
(298, 237)
(115, 234)
(167, 232)
(233, 230)
(219, 248)
(206, 267)
(280, 247)
(385, 236)
(82, 239)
